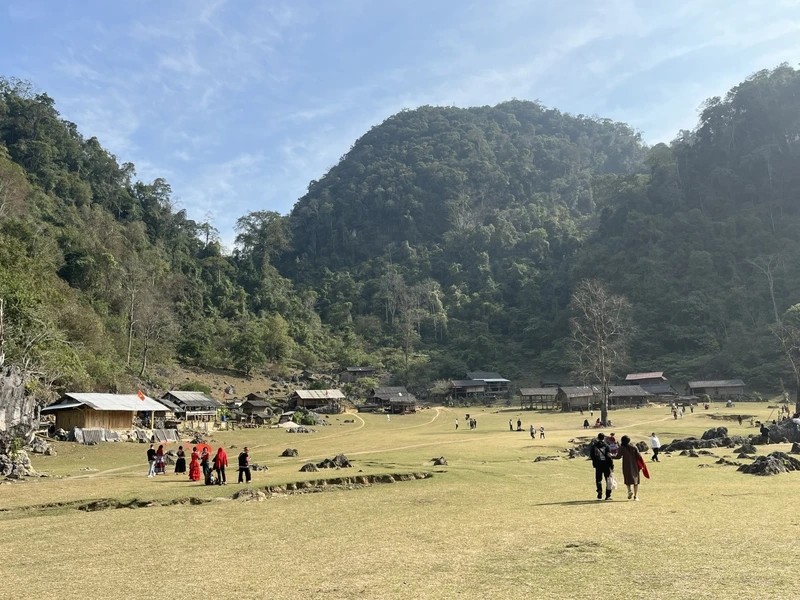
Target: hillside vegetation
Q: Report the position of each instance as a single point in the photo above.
(447, 239)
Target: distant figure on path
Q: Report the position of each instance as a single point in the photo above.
(541, 432)
(244, 465)
(161, 465)
(586, 423)
(151, 461)
(533, 432)
(388, 418)
(765, 432)
(194, 466)
(740, 420)
(655, 446)
(180, 461)
(456, 424)
(601, 461)
(519, 424)
(510, 425)
(630, 466)
(220, 462)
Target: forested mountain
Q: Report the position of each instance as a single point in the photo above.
(447, 239)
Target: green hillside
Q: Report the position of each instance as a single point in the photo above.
(446, 239)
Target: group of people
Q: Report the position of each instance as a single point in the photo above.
(603, 451)
(531, 429)
(471, 421)
(201, 464)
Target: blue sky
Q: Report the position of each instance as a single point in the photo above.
(240, 103)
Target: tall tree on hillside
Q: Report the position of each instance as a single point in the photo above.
(787, 331)
(601, 328)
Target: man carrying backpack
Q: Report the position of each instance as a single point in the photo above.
(601, 461)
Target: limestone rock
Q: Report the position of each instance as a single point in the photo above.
(309, 467)
(289, 452)
(772, 464)
(250, 495)
(439, 461)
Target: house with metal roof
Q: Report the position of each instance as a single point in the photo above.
(329, 401)
(495, 385)
(351, 374)
(101, 411)
(192, 406)
(621, 396)
(720, 388)
(467, 389)
(576, 397)
(650, 377)
(397, 399)
(539, 397)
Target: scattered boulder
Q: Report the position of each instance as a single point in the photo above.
(543, 458)
(795, 449)
(715, 433)
(705, 453)
(439, 462)
(725, 461)
(257, 467)
(690, 452)
(16, 465)
(642, 447)
(289, 452)
(250, 495)
(61, 435)
(50, 452)
(743, 455)
(309, 467)
(784, 431)
(772, 464)
(38, 445)
(746, 449)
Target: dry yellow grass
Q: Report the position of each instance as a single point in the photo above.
(490, 524)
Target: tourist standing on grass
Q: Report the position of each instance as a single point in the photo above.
(510, 425)
(519, 424)
(655, 446)
(630, 466)
(220, 462)
(205, 462)
(151, 461)
(456, 424)
(541, 432)
(194, 466)
(533, 432)
(161, 465)
(244, 465)
(586, 423)
(180, 461)
(601, 461)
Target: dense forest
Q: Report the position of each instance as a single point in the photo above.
(445, 240)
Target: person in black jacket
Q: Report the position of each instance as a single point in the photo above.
(601, 461)
(151, 460)
(244, 464)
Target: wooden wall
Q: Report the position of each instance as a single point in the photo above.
(87, 418)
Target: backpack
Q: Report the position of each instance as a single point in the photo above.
(599, 452)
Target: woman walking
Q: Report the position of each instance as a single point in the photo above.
(180, 461)
(194, 466)
(630, 466)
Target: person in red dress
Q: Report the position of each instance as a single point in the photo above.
(220, 462)
(194, 466)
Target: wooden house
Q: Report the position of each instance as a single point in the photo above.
(578, 397)
(257, 408)
(495, 386)
(541, 397)
(627, 395)
(329, 401)
(397, 400)
(192, 406)
(726, 389)
(467, 389)
(654, 382)
(102, 411)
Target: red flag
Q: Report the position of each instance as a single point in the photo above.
(141, 395)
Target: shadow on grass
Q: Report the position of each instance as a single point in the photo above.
(571, 503)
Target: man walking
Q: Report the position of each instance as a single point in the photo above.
(601, 461)
(655, 445)
(244, 464)
(151, 460)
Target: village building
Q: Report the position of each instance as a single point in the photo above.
(654, 382)
(192, 406)
(352, 374)
(102, 411)
(578, 397)
(327, 401)
(256, 409)
(543, 398)
(495, 386)
(396, 400)
(467, 389)
(623, 396)
(726, 389)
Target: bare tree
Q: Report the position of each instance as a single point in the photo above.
(154, 326)
(766, 266)
(600, 332)
(787, 331)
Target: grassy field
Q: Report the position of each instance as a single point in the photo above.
(492, 523)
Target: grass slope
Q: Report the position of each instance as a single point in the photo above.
(491, 524)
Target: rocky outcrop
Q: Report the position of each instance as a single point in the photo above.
(772, 464)
(716, 437)
(289, 452)
(19, 412)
